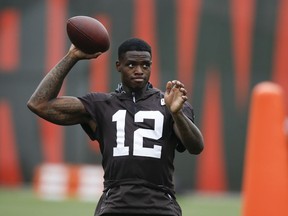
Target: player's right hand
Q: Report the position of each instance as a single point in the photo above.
(77, 53)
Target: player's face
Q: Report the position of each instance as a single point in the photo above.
(135, 68)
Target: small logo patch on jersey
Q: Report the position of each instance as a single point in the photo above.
(162, 102)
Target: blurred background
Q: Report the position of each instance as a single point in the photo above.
(220, 49)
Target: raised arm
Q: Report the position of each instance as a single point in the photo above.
(62, 110)
(185, 129)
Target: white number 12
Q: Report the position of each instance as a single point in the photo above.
(139, 134)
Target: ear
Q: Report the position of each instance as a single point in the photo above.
(117, 64)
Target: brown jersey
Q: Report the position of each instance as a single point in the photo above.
(136, 137)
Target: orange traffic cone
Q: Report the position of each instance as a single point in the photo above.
(265, 180)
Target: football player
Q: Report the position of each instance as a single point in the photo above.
(137, 126)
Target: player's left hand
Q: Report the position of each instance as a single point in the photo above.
(175, 96)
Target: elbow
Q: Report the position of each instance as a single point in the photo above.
(195, 151)
(32, 106)
(197, 148)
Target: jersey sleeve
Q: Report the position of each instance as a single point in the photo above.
(91, 102)
(189, 112)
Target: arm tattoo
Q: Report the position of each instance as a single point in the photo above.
(51, 85)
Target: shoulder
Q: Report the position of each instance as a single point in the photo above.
(96, 96)
(155, 92)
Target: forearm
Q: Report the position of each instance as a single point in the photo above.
(51, 84)
(188, 133)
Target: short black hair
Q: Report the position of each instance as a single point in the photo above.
(133, 44)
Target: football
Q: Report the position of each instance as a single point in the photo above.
(88, 34)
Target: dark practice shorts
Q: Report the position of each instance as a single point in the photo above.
(137, 200)
(129, 215)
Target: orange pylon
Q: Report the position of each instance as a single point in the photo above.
(265, 179)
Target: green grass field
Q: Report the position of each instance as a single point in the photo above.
(23, 202)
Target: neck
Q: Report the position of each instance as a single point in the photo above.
(136, 91)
